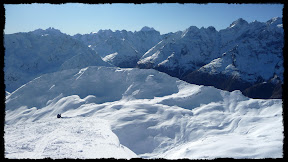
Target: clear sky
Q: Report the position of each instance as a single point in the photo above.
(73, 18)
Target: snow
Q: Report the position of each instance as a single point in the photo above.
(29, 55)
(238, 23)
(257, 48)
(224, 65)
(127, 113)
(110, 57)
(80, 137)
(130, 46)
(235, 63)
(7, 93)
(189, 48)
(280, 25)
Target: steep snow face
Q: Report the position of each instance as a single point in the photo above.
(28, 55)
(129, 46)
(257, 51)
(149, 112)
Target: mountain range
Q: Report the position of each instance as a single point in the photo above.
(244, 56)
(130, 95)
(29, 55)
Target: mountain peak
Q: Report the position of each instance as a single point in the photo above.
(146, 28)
(49, 30)
(274, 21)
(212, 28)
(238, 22)
(105, 30)
(193, 28)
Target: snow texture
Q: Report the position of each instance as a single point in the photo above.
(126, 113)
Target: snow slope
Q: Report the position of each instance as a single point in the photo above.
(80, 137)
(139, 111)
(28, 55)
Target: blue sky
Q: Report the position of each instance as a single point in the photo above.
(73, 18)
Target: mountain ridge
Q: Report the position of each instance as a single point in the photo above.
(112, 112)
(132, 112)
(183, 54)
(255, 51)
(28, 55)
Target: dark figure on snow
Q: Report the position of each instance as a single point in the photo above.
(58, 115)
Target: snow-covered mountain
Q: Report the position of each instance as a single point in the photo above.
(121, 48)
(28, 55)
(126, 113)
(183, 51)
(247, 54)
(244, 56)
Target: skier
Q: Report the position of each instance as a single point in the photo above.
(58, 115)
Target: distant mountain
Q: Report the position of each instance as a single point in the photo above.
(28, 55)
(147, 29)
(238, 57)
(121, 48)
(244, 56)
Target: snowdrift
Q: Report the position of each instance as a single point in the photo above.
(126, 113)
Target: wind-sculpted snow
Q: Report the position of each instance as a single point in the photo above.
(64, 138)
(145, 111)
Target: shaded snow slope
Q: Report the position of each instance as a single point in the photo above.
(149, 112)
(28, 55)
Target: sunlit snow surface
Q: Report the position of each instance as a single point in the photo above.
(126, 113)
(76, 137)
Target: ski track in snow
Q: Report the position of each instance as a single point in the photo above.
(148, 114)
